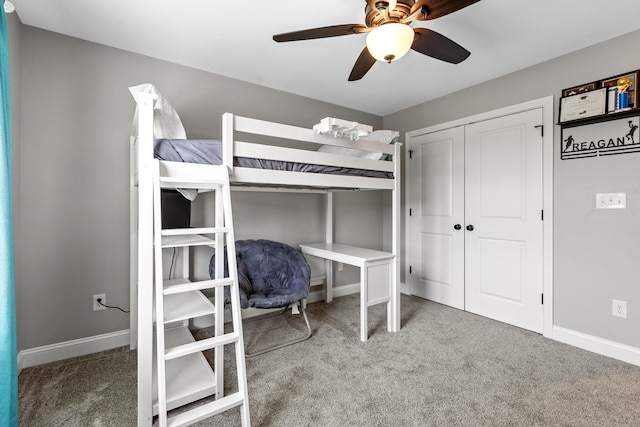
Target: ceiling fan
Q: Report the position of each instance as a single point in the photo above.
(390, 35)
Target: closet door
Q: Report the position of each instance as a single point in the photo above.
(436, 235)
(503, 224)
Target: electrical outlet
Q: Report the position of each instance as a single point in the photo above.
(611, 201)
(340, 266)
(619, 308)
(96, 305)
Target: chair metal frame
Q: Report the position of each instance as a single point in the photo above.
(298, 304)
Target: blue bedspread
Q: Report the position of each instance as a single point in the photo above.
(205, 151)
(210, 152)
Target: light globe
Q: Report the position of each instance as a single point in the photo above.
(390, 42)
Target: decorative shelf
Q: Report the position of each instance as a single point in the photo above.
(603, 118)
(600, 101)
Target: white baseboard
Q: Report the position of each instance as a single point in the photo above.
(339, 291)
(344, 290)
(601, 346)
(81, 347)
(405, 289)
(68, 349)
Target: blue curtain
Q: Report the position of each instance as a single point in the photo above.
(8, 347)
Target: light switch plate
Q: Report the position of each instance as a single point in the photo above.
(611, 201)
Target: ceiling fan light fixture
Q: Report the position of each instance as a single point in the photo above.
(390, 42)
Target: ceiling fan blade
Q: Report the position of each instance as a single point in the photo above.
(363, 64)
(438, 8)
(322, 32)
(435, 45)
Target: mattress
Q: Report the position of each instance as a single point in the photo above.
(206, 151)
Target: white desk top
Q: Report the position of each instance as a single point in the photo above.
(339, 252)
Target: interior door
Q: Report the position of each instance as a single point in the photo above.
(503, 219)
(436, 240)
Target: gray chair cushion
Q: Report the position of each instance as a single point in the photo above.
(270, 274)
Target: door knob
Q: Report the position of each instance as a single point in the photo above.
(470, 227)
(457, 226)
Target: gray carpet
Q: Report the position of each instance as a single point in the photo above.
(444, 368)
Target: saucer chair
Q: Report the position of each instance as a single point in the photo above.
(270, 275)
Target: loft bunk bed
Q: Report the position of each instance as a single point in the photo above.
(258, 155)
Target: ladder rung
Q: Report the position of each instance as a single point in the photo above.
(170, 180)
(210, 184)
(179, 241)
(186, 285)
(206, 410)
(201, 345)
(191, 231)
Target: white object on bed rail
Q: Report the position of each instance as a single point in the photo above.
(342, 128)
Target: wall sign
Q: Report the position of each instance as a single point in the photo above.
(601, 139)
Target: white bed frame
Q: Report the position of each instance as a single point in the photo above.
(142, 163)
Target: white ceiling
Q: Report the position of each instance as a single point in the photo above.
(234, 38)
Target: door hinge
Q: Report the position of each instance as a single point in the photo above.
(410, 212)
(542, 215)
(409, 269)
(410, 154)
(542, 299)
(541, 129)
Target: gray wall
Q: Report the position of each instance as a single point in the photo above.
(595, 252)
(72, 115)
(73, 234)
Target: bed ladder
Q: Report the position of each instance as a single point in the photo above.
(177, 301)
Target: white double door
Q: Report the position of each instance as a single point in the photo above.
(475, 232)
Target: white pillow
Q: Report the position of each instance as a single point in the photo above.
(332, 149)
(166, 122)
(384, 136)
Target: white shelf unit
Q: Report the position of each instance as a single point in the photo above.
(197, 382)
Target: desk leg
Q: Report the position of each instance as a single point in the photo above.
(364, 305)
(393, 306)
(328, 268)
